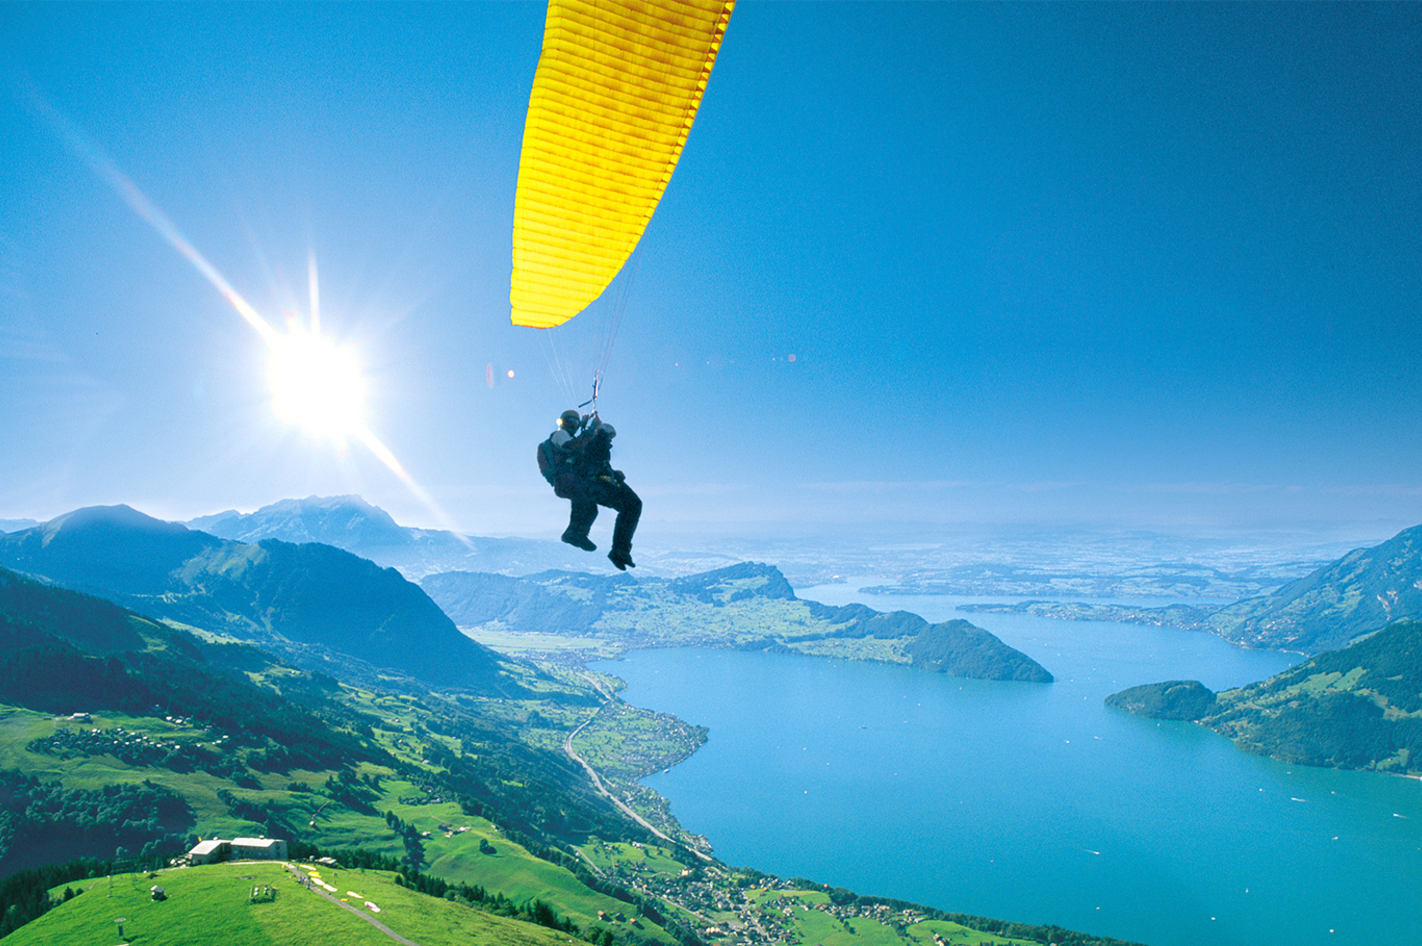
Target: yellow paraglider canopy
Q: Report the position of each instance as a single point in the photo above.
(616, 91)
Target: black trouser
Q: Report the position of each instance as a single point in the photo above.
(587, 495)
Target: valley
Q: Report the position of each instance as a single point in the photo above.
(511, 785)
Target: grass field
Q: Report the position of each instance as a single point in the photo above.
(212, 906)
(511, 870)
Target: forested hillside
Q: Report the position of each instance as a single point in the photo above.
(1358, 707)
(209, 726)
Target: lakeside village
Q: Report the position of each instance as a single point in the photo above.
(763, 914)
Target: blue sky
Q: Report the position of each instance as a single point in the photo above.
(1106, 265)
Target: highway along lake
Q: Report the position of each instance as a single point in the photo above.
(1035, 802)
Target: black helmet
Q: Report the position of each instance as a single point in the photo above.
(570, 421)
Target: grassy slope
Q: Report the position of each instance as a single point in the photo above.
(19, 726)
(456, 857)
(510, 870)
(215, 900)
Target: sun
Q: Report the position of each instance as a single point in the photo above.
(316, 385)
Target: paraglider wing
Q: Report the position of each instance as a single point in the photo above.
(616, 91)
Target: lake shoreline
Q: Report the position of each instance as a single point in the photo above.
(766, 806)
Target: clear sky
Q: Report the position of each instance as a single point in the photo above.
(1105, 264)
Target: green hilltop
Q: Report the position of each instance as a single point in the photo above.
(252, 903)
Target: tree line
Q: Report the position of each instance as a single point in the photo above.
(43, 822)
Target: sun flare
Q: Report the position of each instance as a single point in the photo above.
(316, 385)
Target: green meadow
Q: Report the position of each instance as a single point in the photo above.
(213, 905)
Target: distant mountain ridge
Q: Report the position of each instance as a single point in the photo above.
(1362, 592)
(314, 519)
(312, 603)
(351, 523)
(748, 606)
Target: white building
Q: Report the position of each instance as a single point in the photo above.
(251, 849)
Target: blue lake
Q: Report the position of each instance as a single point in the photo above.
(1035, 802)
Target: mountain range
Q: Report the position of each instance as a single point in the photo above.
(351, 523)
(1342, 601)
(314, 604)
(325, 608)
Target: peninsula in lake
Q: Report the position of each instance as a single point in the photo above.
(1359, 707)
(748, 606)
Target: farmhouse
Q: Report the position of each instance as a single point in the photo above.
(253, 849)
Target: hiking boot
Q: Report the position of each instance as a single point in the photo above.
(621, 559)
(581, 541)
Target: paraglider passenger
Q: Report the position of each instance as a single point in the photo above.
(577, 460)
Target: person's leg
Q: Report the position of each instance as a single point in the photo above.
(580, 519)
(629, 509)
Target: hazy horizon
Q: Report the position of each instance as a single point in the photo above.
(1240, 562)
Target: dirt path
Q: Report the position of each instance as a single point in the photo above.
(300, 875)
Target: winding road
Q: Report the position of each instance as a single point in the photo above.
(597, 781)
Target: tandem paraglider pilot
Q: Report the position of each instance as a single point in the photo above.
(577, 460)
